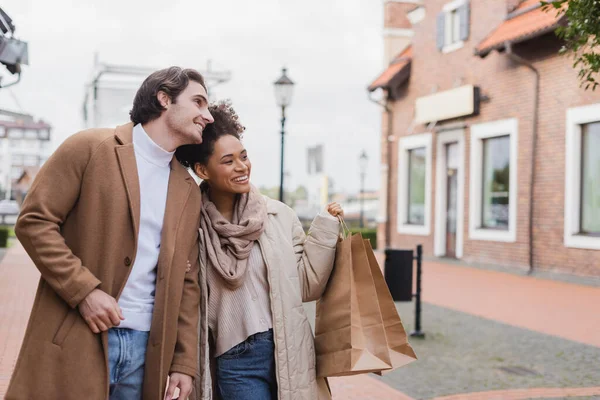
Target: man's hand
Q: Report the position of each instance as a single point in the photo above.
(181, 381)
(100, 311)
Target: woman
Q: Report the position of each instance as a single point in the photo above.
(257, 268)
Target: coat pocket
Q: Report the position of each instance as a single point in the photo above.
(65, 327)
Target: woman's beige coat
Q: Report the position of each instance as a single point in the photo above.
(298, 269)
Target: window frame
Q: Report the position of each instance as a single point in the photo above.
(483, 161)
(581, 231)
(405, 144)
(479, 132)
(576, 118)
(448, 10)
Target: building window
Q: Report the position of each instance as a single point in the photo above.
(31, 161)
(15, 133)
(16, 172)
(582, 178)
(44, 145)
(31, 134)
(496, 183)
(414, 184)
(590, 179)
(17, 159)
(493, 183)
(453, 26)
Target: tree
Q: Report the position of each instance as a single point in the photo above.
(581, 35)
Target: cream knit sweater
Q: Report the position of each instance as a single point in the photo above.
(234, 315)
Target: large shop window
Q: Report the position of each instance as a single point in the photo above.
(496, 183)
(414, 184)
(582, 178)
(590, 179)
(493, 183)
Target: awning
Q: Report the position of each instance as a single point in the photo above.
(397, 72)
(526, 22)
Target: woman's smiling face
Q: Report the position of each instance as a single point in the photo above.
(228, 168)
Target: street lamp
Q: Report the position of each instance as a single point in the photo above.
(284, 88)
(362, 163)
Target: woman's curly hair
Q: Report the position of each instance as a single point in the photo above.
(226, 123)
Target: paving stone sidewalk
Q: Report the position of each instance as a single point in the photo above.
(462, 353)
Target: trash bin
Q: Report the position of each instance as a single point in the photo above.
(398, 273)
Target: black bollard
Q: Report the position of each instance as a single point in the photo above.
(417, 332)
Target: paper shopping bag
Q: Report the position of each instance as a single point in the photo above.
(401, 352)
(349, 330)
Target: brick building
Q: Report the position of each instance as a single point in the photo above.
(490, 147)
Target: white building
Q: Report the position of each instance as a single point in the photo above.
(24, 143)
(111, 89)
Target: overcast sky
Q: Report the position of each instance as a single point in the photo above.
(332, 49)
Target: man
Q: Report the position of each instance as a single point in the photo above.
(111, 222)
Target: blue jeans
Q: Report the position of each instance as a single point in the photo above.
(126, 358)
(247, 371)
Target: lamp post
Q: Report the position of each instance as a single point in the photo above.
(362, 163)
(284, 88)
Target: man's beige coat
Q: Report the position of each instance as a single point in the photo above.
(79, 224)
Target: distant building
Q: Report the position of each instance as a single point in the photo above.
(111, 89)
(24, 143)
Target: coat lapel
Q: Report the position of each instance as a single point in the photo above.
(129, 173)
(180, 186)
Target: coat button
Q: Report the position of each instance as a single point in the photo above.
(127, 261)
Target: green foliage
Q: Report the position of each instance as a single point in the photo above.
(581, 35)
(501, 182)
(4, 233)
(367, 233)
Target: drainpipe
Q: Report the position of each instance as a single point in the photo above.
(390, 114)
(536, 101)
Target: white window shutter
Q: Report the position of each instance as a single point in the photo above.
(441, 30)
(464, 12)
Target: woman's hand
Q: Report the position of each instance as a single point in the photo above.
(335, 209)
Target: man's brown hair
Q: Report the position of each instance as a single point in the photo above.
(172, 81)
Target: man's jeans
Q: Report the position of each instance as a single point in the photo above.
(247, 371)
(126, 357)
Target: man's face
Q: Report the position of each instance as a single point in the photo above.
(188, 115)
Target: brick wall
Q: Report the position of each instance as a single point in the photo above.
(395, 14)
(509, 87)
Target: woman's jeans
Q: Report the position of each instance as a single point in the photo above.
(247, 371)
(126, 358)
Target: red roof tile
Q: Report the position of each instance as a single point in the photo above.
(400, 62)
(527, 21)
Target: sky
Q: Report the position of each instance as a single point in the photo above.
(332, 49)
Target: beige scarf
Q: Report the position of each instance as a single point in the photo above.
(228, 244)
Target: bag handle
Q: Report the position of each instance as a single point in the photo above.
(345, 230)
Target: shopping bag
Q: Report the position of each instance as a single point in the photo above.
(401, 352)
(350, 336)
